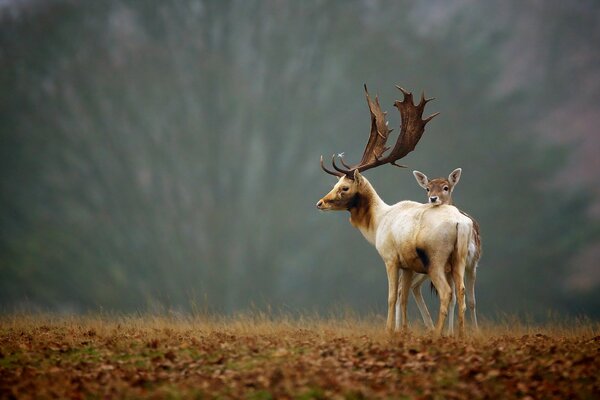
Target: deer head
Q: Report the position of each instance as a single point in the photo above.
(344, 194)
(439, 190)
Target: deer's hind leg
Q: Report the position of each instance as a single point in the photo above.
(459, 293)
(452, 305)
(407, 281)
(398, 313)
(471, 275)
(440, 282)
(392, 274)
(402, 278)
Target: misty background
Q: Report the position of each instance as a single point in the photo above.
(165, 154)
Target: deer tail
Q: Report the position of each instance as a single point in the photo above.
(461, 250)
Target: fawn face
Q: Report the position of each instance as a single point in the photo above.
(439, 190)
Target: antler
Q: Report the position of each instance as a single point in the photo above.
(411, 130)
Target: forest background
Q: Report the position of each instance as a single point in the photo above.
(164, 154)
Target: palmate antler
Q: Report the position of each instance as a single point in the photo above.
(411, 130)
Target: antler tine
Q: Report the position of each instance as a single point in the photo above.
(432, 116)
(404, 91)
(424, 101)
(427, 99)
(343, 171)
(344, 163)
(328, 171)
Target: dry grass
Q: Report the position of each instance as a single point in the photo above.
(257, 356)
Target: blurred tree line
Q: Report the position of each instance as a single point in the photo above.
(165, 153)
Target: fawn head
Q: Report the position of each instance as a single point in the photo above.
(439, 190)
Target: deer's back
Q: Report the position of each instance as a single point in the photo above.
(410, 227)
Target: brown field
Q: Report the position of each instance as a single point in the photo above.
(257, 357)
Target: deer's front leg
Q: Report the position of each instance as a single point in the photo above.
(392, 274)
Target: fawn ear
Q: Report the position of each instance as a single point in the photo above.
(454, 176)
(421, 179)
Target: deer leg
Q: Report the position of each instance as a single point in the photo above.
(470, 275)
(452, 306)
(459, 289)
(401, 277)
(418, 295)
(407, 280)
(438, 278)
(392, 274)
(398, 315)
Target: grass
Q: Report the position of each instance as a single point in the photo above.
(257, 356)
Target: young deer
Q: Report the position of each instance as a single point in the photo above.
(409, 236)
(439, 192)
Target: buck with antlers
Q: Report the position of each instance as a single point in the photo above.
(409, 236)
(439, 192)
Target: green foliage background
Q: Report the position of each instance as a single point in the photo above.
(165, 153)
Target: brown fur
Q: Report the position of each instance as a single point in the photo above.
(360, 212)
(436, 187)
(358, 200)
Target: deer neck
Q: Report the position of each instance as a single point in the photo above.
(366, 210)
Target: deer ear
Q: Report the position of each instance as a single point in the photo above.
(421, 179)
(454, 176)
(357, 176)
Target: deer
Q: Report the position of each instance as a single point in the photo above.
(439, 192)
(410, 237)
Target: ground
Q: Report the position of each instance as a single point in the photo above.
(257, 357)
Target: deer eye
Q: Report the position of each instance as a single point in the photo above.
(427, 189)
(345, 189)
(445, 188)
